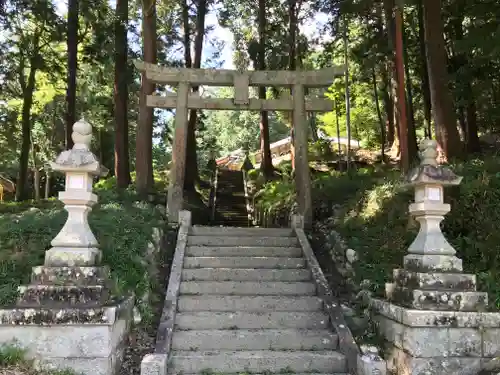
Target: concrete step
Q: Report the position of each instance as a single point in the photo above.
(242, 241)
(233, 232)
(232, 362)
(251, 320)
(245, 274)
(248, 288)
(246, 251)
(249, 303)
(257, 339)
(244, 262)
(282, 372)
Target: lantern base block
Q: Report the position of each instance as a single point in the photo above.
(72, 257)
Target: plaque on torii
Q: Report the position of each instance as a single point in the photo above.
(184, 99)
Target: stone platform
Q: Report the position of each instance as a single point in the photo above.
(437, 342)
(68, 318)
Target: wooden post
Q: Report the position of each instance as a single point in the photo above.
(300, 141)
(175, 192)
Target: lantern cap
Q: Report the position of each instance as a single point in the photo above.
(429, 171)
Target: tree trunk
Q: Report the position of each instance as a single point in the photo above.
(473, 144)
(388, 106)
(442, 102)
(28, 89)
(338, 129)
(379, 113)
(424, 74)
(122, 168)
(292, 63)
(72, 44)
(468, 102)
(392, 76)
(36, 183)
(266, 164)
(47, 184)
(191, 174)
(144, 136)
(347, 93)
(411, 127)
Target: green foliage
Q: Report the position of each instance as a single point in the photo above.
(122, 225)
(13, 361)
(321, 150)
(228, 131)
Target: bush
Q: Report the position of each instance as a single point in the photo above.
(122, 225)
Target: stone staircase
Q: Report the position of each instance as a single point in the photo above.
(247, 304)
(230, 202)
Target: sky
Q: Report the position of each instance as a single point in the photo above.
(310, 29)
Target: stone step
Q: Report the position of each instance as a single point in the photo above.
(245, 274)
(260, 339)
(249, 303)
(248, 288)
(232, 362)
(251, 320)
(246, 251)
(242, 241)
(69, 275)
(233, 232)
(38, 295)
(244, 262)
(285, 372)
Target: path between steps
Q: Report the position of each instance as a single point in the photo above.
(230, 202)
(248, 304)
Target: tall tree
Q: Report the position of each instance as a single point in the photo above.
(424, 74)
(191, 174)
(72, 45)
(266, 165)
(461, 68)
(144, 139)
(122, 165)
(442, 102)
(31, 30)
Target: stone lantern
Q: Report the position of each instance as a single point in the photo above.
(76, 245)
(68, 316)
(433, 318)
(430, 250)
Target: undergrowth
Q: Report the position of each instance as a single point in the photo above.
(13, 361)
(371, 213)
(122, 225)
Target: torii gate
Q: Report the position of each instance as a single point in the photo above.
(184, 99)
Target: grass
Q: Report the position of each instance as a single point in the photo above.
(13, 362)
